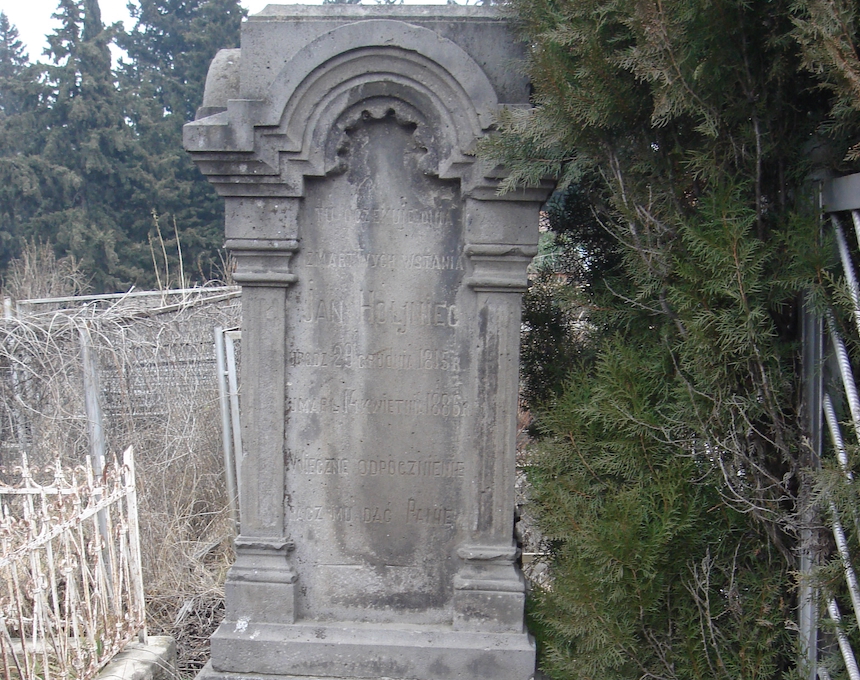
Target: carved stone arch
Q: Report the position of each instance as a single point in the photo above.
(409, 64)
(349, 42)
(370, 75)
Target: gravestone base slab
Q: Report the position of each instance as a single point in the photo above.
(309, 651)
(488, 611)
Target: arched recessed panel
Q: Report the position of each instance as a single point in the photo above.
(437, 54)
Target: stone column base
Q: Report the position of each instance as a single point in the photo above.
(304, 651)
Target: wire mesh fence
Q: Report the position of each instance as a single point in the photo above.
(154, 364)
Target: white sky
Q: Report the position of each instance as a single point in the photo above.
(34, 22)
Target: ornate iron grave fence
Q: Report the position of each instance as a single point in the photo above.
(71, 588)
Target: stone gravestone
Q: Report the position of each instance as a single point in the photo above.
(381, 277)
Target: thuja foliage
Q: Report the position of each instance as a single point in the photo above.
(668, 480)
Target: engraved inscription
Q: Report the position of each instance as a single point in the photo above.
(376, 515)
(433, 515)
(324, 310)
(310, 465)
(434, 467)
(347, 355)
(396, 216)
(310, 359)
(451, 469)
(350, 259)
(377, 311)
(379, 388)
(416, 513)
(432, 404)
(320, 513)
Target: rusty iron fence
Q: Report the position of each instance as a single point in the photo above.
(71, 585)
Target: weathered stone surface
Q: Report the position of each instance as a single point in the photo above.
(381, 279)
(154, 660)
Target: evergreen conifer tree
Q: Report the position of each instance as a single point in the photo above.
(83, 125)
(14, 64)
(20, 94)
(668, 477)
(90, 159)
(168, 54)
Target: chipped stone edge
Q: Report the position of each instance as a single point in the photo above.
(155, 660)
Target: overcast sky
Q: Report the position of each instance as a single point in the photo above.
(34, 22)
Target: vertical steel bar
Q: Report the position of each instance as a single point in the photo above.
(855, 218)
(233, 381)
(812, 330)
(226, 434)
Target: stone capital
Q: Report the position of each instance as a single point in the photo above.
(499, 267)
(263, 262)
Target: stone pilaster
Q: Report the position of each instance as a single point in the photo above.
(260, 586)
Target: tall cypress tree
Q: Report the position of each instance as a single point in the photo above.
(169, 50)
(86, 134)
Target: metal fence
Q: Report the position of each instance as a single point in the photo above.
(84, 375)
(71, 586)
(830, 344)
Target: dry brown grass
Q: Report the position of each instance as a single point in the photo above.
(159, 394)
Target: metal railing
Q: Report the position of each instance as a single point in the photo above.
(71, 587)
(830, 382)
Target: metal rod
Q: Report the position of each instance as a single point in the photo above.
(846, 373)
(230, 338)
(845, 556)
(844, 644)
(130, 294)
(847, 267)
(836, 436)
(839, 445)
(226, 434)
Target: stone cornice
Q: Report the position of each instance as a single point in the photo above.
(263, 262)
(499, 267)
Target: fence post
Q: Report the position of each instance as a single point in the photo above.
(95, 427)
(135, 561)
(813, 355)
(227, 441)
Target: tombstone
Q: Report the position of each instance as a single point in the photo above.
(382, 275)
